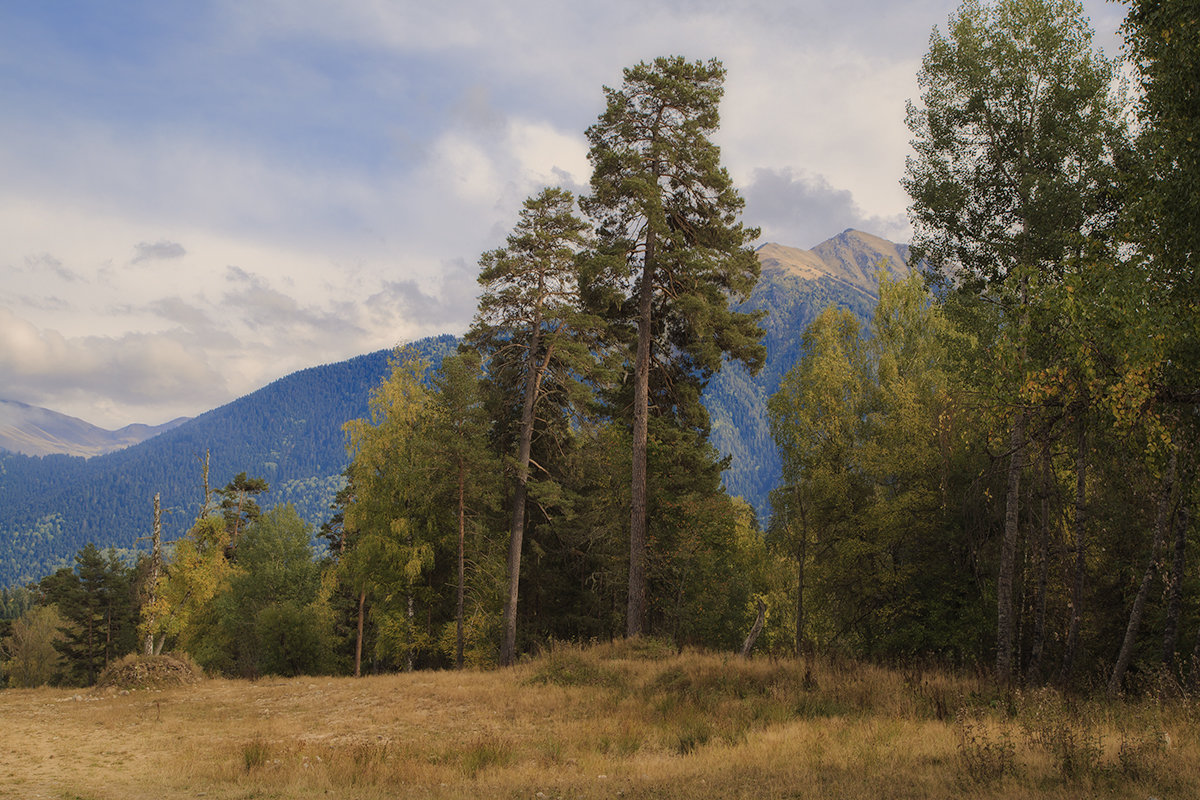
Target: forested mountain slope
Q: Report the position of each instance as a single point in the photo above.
(289, 432)
(796, 285)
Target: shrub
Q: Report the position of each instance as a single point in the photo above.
(983, 757)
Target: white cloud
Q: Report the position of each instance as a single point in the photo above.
(345, 163)
(801, 209)
(77, 374)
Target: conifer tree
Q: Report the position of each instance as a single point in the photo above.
(530, 328)
(96, 601)
(671, 254)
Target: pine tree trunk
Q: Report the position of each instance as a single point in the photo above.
(358, 641)
(635, 615)
(1008, 551)
(1139, 602)
(517, 529)
(462, 534)
(1080, 578)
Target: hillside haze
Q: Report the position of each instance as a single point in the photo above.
(290, 432)
(34, 431)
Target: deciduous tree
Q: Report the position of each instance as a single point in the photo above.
(1016, 139)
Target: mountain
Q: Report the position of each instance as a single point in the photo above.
(35, 431)
(290, 432)
(852, 258)
(796, 285)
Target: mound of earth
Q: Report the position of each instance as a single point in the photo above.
(145, 672)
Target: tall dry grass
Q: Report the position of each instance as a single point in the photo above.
(631, 720)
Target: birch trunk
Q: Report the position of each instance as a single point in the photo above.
(1080, 577)
(1139, 602)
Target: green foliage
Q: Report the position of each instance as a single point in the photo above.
(267, 615)
(393, 546)
(96, 600)
(464, 473)
(871, 438)
(1018, 436)
(28, 654)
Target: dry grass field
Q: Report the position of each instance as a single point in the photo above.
(608, 721)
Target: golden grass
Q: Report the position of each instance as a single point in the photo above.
(609, 721)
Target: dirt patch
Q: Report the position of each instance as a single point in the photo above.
(150, 672)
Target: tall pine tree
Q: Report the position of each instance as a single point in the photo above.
(530, 329)
(671, 255)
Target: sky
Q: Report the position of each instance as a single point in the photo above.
(197, 198)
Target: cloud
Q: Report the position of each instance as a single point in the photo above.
(158, 251)
(354, 158)
(280, 320)
(139, 370)
(46, 263)
(801, 209)
(449, 308)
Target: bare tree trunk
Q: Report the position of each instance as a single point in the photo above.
(462, 534)
(207, 491)
(358, 642)
(752, 637)
(155, 565)
(533, 376)
(1080, 577)
(1008, 550)
(636, 611)
(1139, 602)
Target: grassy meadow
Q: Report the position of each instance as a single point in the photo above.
(619, 720)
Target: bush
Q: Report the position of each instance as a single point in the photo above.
(29, 655)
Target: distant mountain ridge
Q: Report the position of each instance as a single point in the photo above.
(290, 432)
(35, 431)
(852, 256)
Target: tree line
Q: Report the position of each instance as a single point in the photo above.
(1004, 463)
(998, 468)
